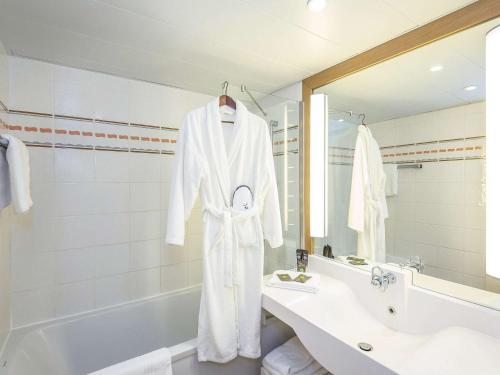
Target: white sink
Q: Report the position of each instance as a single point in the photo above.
(344, 313)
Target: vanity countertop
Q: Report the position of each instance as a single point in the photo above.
(334, 321)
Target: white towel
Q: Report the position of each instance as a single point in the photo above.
(5, 197)
(292, 358)
(18, 158)
(321, 371)
(311, 285)
(158, 362)
(391, 181)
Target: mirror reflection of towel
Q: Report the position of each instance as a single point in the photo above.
(391, 181)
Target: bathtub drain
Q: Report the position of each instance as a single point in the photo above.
(365, 346)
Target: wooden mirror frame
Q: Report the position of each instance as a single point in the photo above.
(471, 15)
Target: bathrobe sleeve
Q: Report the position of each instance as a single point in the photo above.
(271, 214)
(356, 219)
(185, 183)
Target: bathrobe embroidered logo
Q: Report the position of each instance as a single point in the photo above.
(240, 206)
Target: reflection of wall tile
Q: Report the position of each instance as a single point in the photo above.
(448, 224)
(452, 149)
(475, 148)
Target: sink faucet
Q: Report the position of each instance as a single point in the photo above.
(415, 262)
(381, 279)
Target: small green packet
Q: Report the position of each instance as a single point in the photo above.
(301, 278)
(284, 277)
(355, 259)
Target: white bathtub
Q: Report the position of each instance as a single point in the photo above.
(91, 341)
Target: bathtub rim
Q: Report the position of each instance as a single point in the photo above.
(16, 335)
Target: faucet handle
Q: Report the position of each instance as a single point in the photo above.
(416, 262)
(381, 279)
(377, 271)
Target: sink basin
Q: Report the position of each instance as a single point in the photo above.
(345, 313)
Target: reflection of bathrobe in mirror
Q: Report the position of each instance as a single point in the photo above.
(368, 207)
(229, 319)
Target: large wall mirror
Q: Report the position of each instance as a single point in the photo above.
(426, 109)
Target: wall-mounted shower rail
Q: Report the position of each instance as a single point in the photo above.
(244, 89)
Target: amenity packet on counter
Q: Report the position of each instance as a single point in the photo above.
(301, 278)
(284, 277)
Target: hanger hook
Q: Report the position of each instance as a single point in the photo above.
(225, 85)
(362, 116)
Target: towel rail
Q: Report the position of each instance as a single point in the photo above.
(418, 166)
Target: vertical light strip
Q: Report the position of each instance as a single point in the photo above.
(285, 166)
(492, 152)
(317, 167)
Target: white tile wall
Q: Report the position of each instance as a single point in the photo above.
(95, 234)
(438, 213)
(5, 222)
(5, 215)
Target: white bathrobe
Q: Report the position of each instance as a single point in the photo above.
(229, 319)
(368, 207)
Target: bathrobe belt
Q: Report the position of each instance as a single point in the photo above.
(229, 236)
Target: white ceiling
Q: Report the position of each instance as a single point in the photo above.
(197, 44)
(404, 85)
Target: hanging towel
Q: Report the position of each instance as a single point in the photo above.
(311, 285)
(158, 362)
(391, 182)
(292, 358)
(17, 156)
(5, 197)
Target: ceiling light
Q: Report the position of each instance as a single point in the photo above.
(470, 88)
(316, 5)
(436, 68)
(340, 120)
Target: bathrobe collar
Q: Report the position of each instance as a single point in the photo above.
(225, 155)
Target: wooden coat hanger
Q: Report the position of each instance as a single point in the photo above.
(225, 99)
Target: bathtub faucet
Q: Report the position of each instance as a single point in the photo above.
(381, 279)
